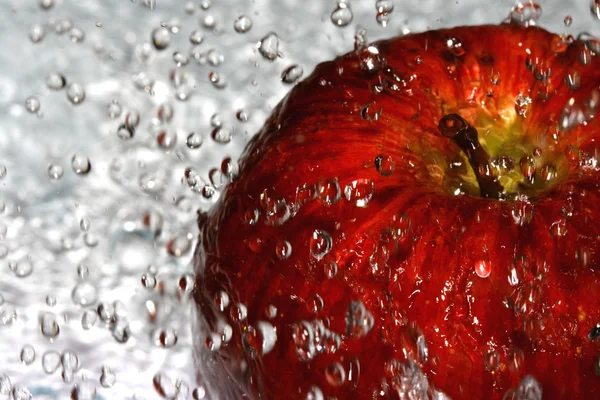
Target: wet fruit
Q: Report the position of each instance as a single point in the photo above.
(417, 219)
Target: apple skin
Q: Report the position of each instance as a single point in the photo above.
(499, 290)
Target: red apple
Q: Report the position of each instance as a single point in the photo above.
(419, 216)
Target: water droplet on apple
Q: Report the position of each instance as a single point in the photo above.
(335, 374)
(559, 228)
(320, 244)
(522, 211)
(528, 167)
(359, 192)
(283, 249)
(303, 337)
(522, 105)
(314, 393)
(238, 312)
(330, 269)
(370, 59)
(385, 165)
(370, 112)
(314, 304)
(221, 301)
(491, 360)
(483, 268)
(359, 321)
(328, 191)
(454, 46)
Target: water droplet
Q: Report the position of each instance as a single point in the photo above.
(595, 8)
(320, 244)
(148, 281)
(88, 319)
(84, 294)
(342, 14)
(167, 338)
(5, 385)
(359, 192)
(180, 59)
(114, 109)
(548, 172)
(483, 268)
(559, 228)
(166, 140)
(196, 37)
(335, 374)
(215, 57)
(106, 312)
(46, 4)
(359, 321)
(55, 171)
(199, 393)
(568, 20)
(242, 24)
(522, 105)
(107, 377)
(121, 331)
(491, 360)
(22, 268)
(268, 46)
(132, 118)
(161, 38)
(222, 134)
(50, 300)
(385, 165)
(217, 80)
(328, 191)
(125, 131)
(32, 104)
(75, 93)
(292, 74)
(314, 304)
(77, 35)
(80, 164)
(454, 46)
(331, 269)
(522, 211)
(50, 362)
(27, 354)
(213, 342)
(55, 81)
(37, 33)
(238, 312)
(21, 393)
(526, 14)
(369, 59)
(49, 326)
(370, 112)
(179, 245)
(70, 361)
(3, 171)
(283, 249)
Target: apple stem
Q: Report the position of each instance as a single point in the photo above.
(454, 127)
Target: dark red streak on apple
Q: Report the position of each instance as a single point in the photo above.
(383, 256)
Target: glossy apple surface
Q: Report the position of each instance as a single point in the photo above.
(363, 253)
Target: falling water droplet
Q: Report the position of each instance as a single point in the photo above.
(268, 46)
(342, 14)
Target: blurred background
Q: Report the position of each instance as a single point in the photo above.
(119, 119)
